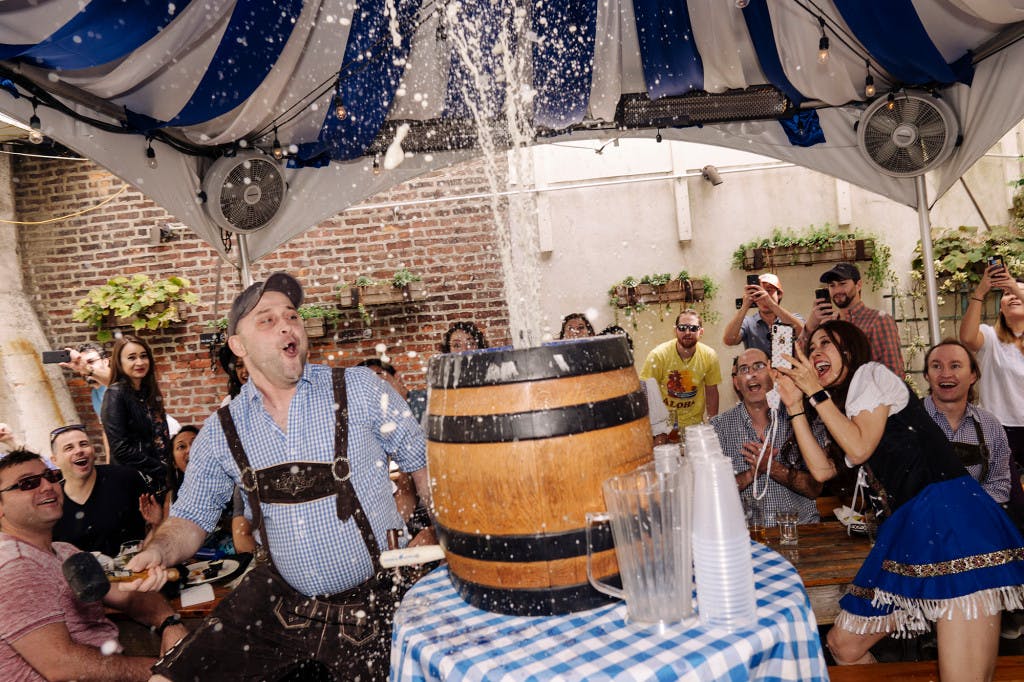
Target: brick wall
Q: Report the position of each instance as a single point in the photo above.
(451, 245)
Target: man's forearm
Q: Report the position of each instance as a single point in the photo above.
(176, 539)
(800, 482)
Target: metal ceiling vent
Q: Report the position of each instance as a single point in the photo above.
(244, 192)
(908, 134)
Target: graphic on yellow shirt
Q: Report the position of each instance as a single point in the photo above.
(681, 384)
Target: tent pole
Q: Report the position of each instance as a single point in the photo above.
(243, 260)
(924, 221)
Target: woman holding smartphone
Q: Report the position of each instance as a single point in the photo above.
(945, 552)
(1000, 351)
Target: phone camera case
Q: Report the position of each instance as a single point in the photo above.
(782, 343)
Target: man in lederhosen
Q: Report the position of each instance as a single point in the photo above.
(309, 445)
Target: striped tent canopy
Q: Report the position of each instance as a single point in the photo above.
(338, 85)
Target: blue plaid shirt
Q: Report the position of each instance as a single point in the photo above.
(997, 484)
(735, 428)
(315, 552)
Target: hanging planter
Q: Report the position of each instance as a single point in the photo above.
(681, 290)
(316, 317)
(842, 251)
(404, 287)
(137, 303)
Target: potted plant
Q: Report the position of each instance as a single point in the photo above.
(315, 318)
(138, 302)
(815, 245)
(403, 286)
(633, 295)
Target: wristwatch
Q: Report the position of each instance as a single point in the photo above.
(173, 619)
(819, 397)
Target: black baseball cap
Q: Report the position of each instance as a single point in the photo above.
(839, 272)
(281, 282)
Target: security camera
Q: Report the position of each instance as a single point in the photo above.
(710, 173)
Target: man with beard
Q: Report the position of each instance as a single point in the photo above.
(687, 373)
(309, 445)
(103, 504)
(742, 432)
(977, 436)
(844, 287)
(46, 632)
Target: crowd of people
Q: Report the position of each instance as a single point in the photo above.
(313, 469)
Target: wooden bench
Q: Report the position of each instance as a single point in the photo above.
(1007, 668)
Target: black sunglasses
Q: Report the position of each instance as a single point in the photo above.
(64, 429)
(688, 328)
(32, 482)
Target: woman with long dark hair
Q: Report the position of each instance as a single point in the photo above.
(133, 412)
(945, 551)
(462, 336)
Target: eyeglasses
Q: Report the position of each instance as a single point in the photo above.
(750, 369)
(32, 482)
(64, 429)
(688, 328)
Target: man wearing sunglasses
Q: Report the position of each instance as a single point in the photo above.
(45, 632)
(103, 504)
(687, 372)
(782, 478)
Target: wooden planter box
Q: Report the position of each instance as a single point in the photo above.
(315, 326)
(687, 291)
(381, 294)
(846, 251)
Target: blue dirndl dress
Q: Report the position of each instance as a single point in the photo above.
(945, 545)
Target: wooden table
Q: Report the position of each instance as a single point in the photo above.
(827, 560)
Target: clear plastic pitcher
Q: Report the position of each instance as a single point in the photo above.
(650, 521)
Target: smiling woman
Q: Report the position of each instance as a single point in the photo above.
(133, 412)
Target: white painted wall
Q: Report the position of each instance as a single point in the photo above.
(663, 217)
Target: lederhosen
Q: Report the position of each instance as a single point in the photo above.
(349, 633)
(971, 454)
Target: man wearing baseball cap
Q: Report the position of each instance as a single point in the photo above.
(309, 445)
(754, 331)
(844, 287)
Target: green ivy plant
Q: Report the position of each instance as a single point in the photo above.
(660, 279)
(961, 255)
(312, 311)
(403, 277)
(147, 303)
(820, 239)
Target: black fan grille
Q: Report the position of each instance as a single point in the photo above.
(252, 194)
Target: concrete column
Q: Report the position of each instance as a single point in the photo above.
(34, 399)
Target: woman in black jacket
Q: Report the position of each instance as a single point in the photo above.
(133, 412)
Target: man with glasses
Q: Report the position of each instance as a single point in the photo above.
(103, 504)
(687, 373)
(781, 474)
(45, 632)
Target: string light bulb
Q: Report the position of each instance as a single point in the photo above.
(277, 150)
(890, 101)
(741, 4)
(151, 155)
(339, 104)
(657, 138)
(869, 86)
(35, 136)
(822, 43)
(376, 165)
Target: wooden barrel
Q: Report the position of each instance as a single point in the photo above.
(518, 444)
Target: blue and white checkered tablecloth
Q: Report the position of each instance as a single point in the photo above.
(438, 636)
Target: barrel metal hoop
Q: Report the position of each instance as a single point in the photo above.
(524, 548)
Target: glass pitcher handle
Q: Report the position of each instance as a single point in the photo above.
(594, 518)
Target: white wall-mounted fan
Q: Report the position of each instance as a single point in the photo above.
(244, 192)
(909, 134)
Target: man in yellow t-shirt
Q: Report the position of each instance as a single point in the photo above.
(687, 372)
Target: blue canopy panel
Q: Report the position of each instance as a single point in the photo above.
(369, 76)
(482, 93)
(893, 34)
(103, 31)
(672, 65)
(563, 62)
(759, 25)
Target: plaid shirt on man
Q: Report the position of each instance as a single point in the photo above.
(997, 483)
(735, 428)
(882, 333)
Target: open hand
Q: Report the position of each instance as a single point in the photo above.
(802, 374)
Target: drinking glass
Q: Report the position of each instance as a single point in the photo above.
(788, 533)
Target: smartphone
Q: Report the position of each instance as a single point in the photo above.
(739, 303)
(996, 261)
(753, 280)
(52, 357)
(782, 342)
(823, 295)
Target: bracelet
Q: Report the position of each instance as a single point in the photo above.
(979, 300)
(173, 619)
(797, 414)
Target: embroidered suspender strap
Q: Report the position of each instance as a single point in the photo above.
(984, 450)
(248, 475)
(348, 501)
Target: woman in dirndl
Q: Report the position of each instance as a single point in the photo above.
(946, 553)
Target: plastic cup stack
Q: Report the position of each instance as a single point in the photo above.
(721, 545)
